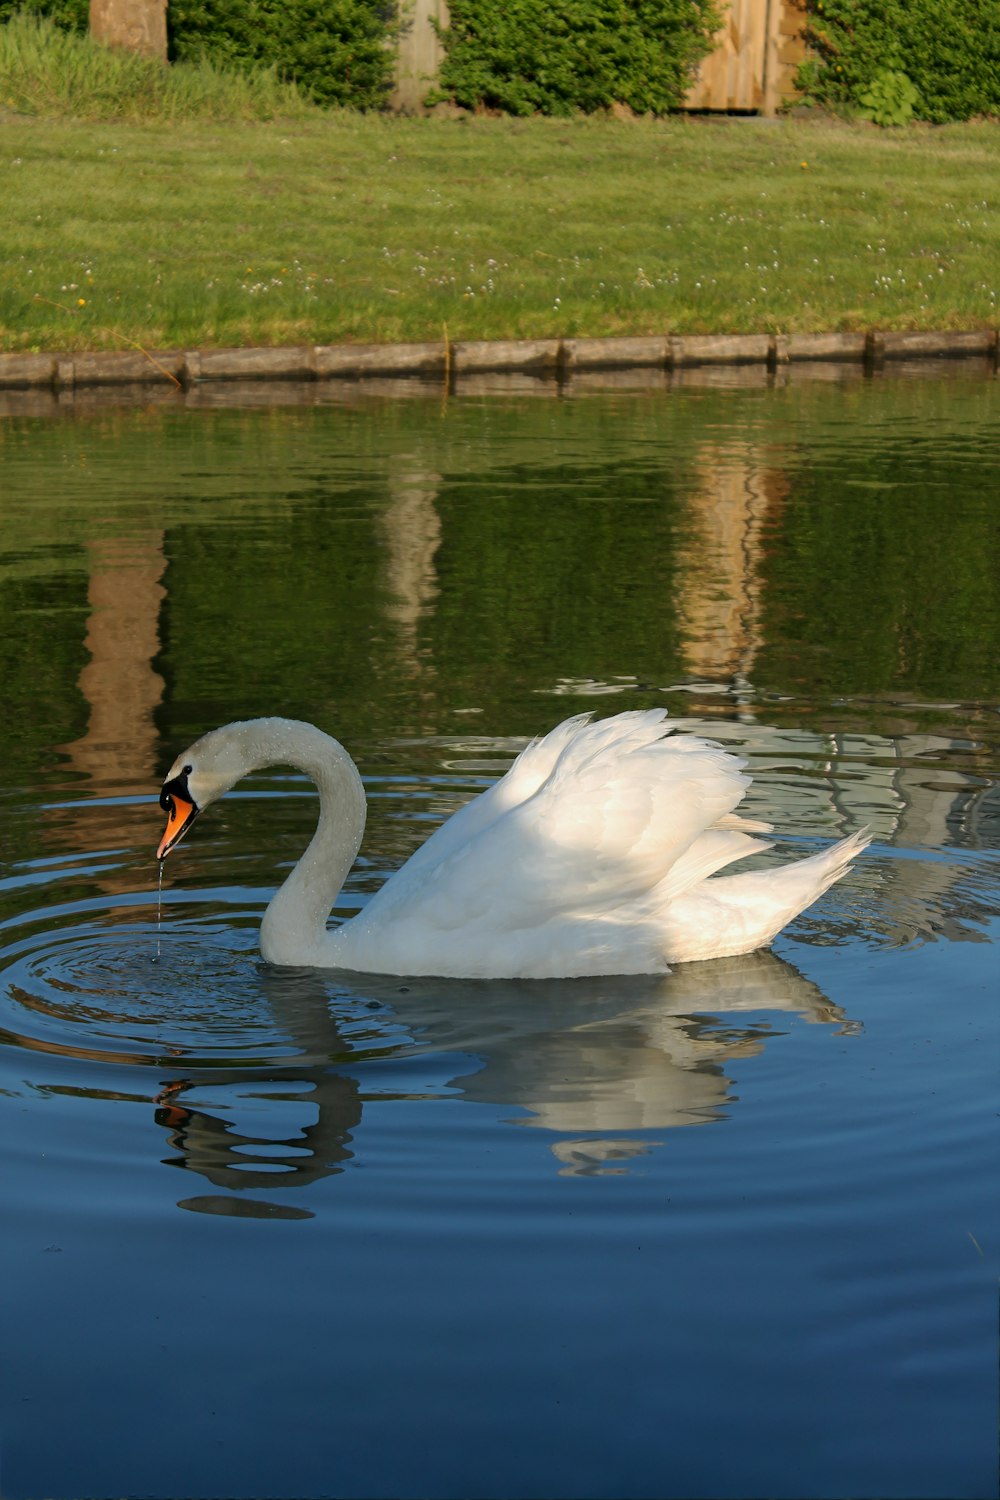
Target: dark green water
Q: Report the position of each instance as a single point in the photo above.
(277, 1233)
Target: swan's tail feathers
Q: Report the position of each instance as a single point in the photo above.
(808, 878)
(795, 886)
(733, 914)
(830, 864)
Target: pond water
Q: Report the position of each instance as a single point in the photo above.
(728, 1232)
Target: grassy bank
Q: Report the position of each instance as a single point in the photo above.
(53, 74)
(335, 228)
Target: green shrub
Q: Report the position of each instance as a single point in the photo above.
(558, 57)
(335, 50)
(68, 15)
(948, 50)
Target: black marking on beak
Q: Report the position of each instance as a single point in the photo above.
(181, 809)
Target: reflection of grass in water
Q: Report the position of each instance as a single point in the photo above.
(347, 227)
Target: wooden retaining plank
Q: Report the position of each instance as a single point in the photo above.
(19, 372)
(294, 363)
(613, 353)
(357, 360)
(720, 349)
(486, 355)
(534, 357)
(941, 345)
(128, 367)
(840, 346)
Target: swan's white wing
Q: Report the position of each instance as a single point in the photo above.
(579, 834)
(609, 822)
(521, 781)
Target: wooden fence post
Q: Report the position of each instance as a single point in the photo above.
(137, 25)
(419, 53)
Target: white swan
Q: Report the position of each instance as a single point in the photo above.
(592, 855)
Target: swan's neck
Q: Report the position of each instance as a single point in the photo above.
(294, 927)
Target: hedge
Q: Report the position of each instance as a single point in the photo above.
(558, 57)
(949, 50)
(335, 50)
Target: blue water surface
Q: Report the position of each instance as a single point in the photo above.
(728, 1232)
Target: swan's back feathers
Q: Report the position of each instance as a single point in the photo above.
(620, 810)
(591, 811)
(591, 831)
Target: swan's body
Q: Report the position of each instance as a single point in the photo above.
(592, 855)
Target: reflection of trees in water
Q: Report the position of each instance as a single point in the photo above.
(590, 1061)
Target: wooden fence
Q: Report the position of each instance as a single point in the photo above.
(752, 67)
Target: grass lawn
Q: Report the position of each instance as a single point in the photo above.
(336, 228)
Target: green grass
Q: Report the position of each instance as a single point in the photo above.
(52, 73)
(336, 227)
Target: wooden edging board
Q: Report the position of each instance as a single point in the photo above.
(558, 358)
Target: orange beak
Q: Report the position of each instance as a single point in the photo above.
(181, 812)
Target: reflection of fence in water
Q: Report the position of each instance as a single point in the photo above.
(411, 532)
(901, 787)
(734, 498)
(117, 752)
(119, 683)
(732, 495)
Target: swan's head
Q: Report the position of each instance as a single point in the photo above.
(199, 777)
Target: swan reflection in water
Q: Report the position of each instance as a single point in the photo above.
(593, 1061)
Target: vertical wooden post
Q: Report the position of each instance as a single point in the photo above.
(136, 25)
(419, 53)
(769, 60)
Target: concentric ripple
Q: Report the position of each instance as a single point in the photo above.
(113, 985)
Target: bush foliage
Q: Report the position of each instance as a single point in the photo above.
(335, 50)
(68, 15)
(949, 50)
(557, 57)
